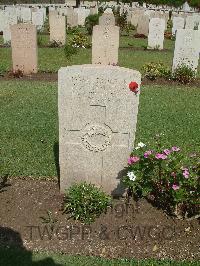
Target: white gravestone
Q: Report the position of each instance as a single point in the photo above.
(190, 22)
(187, 49)
(105, 45)
(143, 25)
(58, 29)
(178, 23)
(156, 33)
(38, 19)
(107, 19)
(97, 124)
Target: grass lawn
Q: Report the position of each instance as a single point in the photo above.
(51, 59)
(25, 258)
(29, 123)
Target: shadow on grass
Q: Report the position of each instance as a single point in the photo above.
(56, 159)
(13, 252)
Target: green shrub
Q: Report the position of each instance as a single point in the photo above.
(73, 30)
(156, 70)
(167, 177)
(69, 50)
(39, 40)
(121, 20)
(90, 22)
(80, 40)
(45, 27)
(184, 74)
(85, 202)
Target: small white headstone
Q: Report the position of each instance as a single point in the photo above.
(187, 49)
(105, 45)
(156, 33)
(178, 23)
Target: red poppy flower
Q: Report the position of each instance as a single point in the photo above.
(133, 86)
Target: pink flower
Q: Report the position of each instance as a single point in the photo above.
(133, 159)
(186, 173)
(175, 187)
(161, 156)
(175, 148)
(167, 152)
(147, 153)
(173, 174)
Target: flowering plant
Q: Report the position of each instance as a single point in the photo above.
(166, 177)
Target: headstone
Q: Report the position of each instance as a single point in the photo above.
(38, 19)
(24, 48)
(186, 7)
(108, 11)
(186, 49)
(178, 23)
(105, 45)
(26, 15)
(143, 25)
(107, 19)
(57, 25)
(81, 15)
(134, 19)
(9, 19)
(190, 22)
(97, 124)
(72, 18)
(156, 33)
(94, 10)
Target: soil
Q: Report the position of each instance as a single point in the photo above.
(137, 230)
(41, 76)
(48, 76)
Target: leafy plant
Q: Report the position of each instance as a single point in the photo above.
(85, 202)
(156, 70)
(166, 177)
(46, 28)
(90, 22)
(73, 30)
(39, 40)
(69, 50)
(80, 40)
(121, 20)
(184, 74)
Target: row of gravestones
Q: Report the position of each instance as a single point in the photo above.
(105, 43)
(139, 17)
(11, 16)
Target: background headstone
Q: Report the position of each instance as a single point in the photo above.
(24, 48)
(156, 33)
(187, 49)
(143, 25)
(105, 45)
(58, 29)
(107, 19)
(178, 23)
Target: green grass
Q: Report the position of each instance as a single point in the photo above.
(51, 59)
(12, 257)
(29, 124)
